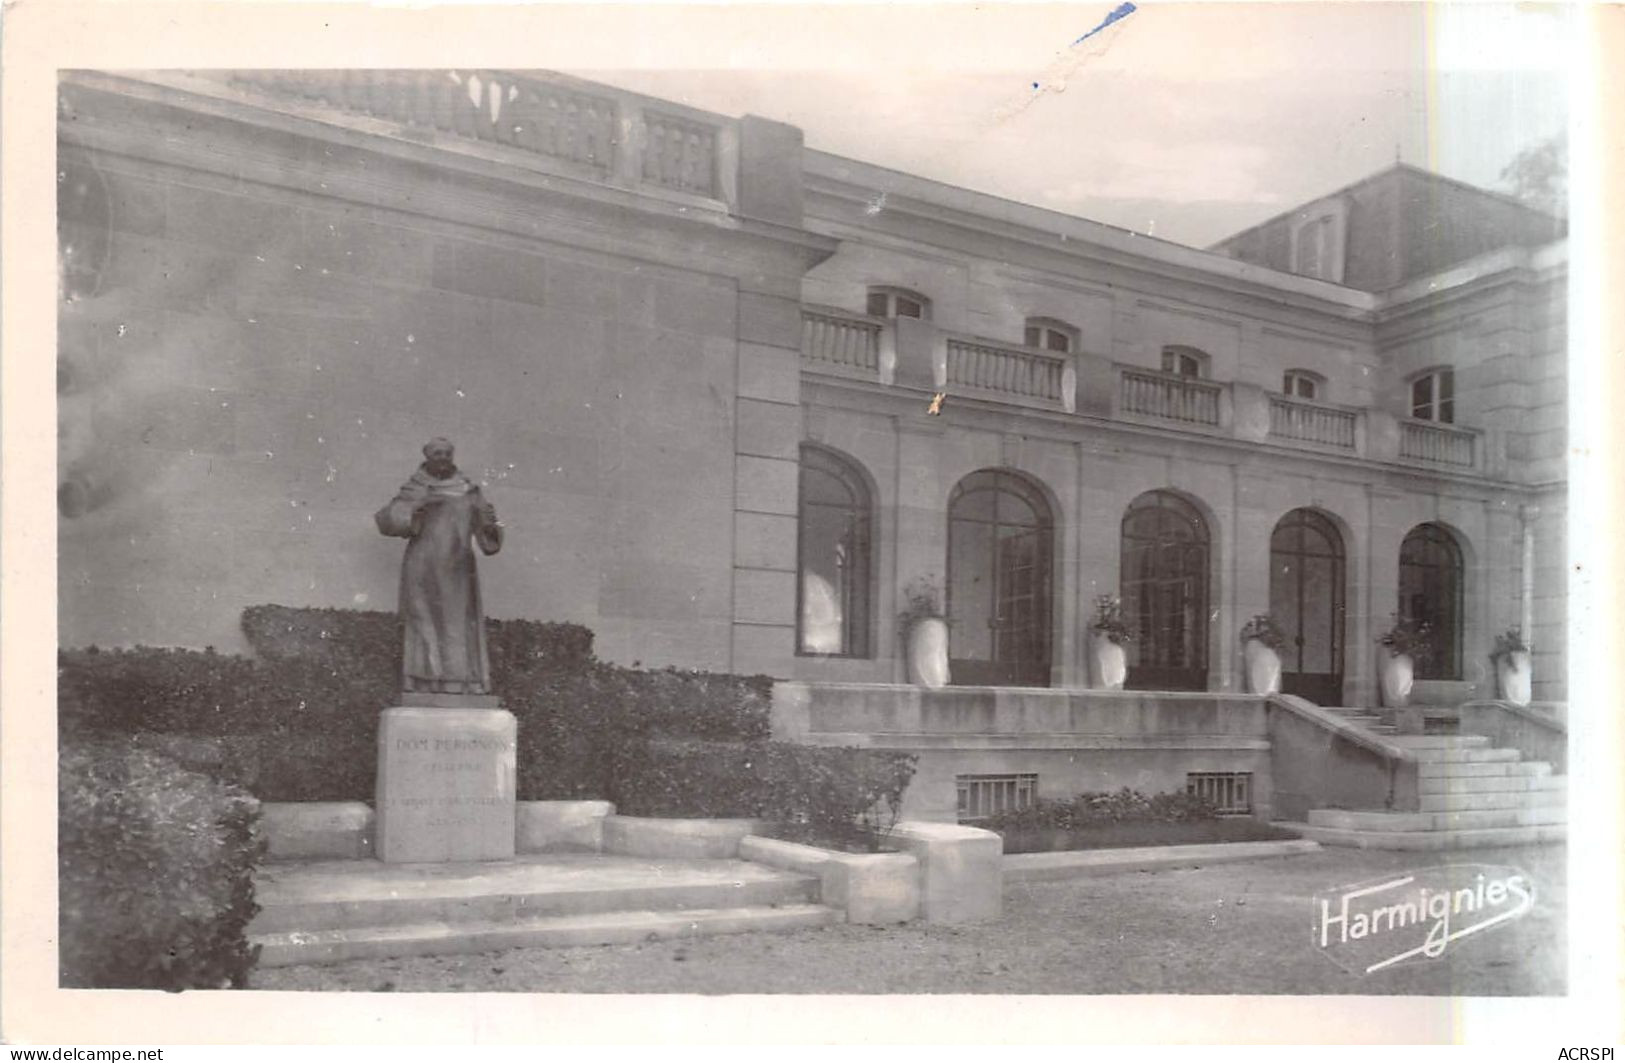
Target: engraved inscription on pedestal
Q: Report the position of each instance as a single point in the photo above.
(445, 784)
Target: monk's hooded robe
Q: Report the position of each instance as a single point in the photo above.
(445, 648)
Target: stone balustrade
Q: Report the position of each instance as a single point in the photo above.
(617, 135)
(1169, 397)
(1437, 444)
(838, 338)
(1022, 373)
(1299, 421)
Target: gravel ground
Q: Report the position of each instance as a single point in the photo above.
(1230, 928)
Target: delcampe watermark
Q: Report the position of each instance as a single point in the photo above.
(1416, 915)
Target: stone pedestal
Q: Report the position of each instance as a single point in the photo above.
(446, 784)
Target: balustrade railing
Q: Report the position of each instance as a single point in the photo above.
(1440, 443)
(1309, 422)
(1189, 400)
(839, 338)
(1018, 371)
(598, 130)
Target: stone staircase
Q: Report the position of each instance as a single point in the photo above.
(328, 911)
(1470, 795)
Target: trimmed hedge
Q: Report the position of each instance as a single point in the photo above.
(155, 872)
(300, 723)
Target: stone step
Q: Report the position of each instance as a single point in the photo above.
(1444, 769)
(1418, 742)
(1479, 784)
(1467, 819)
(284, 948)
(338, 894)
(1426, 755)
(1558, 798)
(1433, 840)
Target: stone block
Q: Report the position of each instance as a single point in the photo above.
(317, 830)
(771, 320)
(762, 597)
(770, 171)
(763, 540)
(769, 373)
(768, 429)
(766, 485)
(445, 785)
(554, 826)
(922, 355)
(871, 888)
(707, 839)
(961, 870)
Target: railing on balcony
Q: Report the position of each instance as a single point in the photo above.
(1189, 400)
(1019, 371)
(603, 131)
(1309, 422)
(836, 337)
(1442, 444)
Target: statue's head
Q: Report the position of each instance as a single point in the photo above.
(437, 453)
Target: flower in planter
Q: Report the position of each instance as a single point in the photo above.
(1509, 643)
(1264, 629)
(922, 600)
(1109, 620)
(1408, 637)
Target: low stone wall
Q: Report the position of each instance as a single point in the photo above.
(1074, 740)
(707, 839)
(871, 888)
(343, 830)
(1538, 733)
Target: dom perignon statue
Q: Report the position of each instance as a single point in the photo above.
(441, 514)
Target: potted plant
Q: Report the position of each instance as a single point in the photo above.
(1261, 642)
(925, 624)
(1108, 634)
(1408, 643)
(1513, 672)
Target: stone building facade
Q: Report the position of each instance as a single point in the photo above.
(695, 362)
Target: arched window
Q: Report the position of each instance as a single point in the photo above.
(1306, 600)
(1430, 590)
(833, 566)
(1433, 396)
(897, 302)
(1000, 546)
(1165, 592)
(1184, 361)
(1302, 384)
(1050, 335)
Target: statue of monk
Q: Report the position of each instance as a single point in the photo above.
(440, 512)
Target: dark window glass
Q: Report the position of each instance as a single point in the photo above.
(1430, 590)
(1035, 336)
(1059, 341)
(1164, 592)
(833, 582)
(907, 307)
(877, 304)
(1422, 398)
(1000, 564)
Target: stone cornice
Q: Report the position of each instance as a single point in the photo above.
(476, 185)
(974, 216)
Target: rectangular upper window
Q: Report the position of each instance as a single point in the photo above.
(1433, 396)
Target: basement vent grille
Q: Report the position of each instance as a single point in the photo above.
(1231, 791)
(981, 796)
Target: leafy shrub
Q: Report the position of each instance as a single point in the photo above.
(1092, 809)
(823, 789)
(155, 872)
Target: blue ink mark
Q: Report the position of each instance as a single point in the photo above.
(1121, 11)
(1035, 86)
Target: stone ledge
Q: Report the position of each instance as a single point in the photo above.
(308, 830)
(961, 870)
(561, 826)
(871, 888)
(1082, 863)
(711, 839)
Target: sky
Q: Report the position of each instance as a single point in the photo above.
(1184, 121)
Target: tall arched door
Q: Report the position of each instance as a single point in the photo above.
(1430, 586)
(1000, 560)
(1307, 601)
(1165, 592)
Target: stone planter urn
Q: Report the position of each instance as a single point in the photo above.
(928, 652)
(1513, 676)
(1263, 668)
(1395, 672)
(1108, 662)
